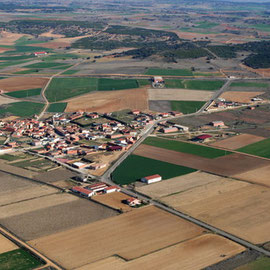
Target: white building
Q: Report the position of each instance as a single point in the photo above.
(151, 179)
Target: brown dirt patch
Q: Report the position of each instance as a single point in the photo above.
(233, 206)
(8, 38)
(129, 235)
(113, 200)
(238, 141)
(204, 250)
(258, 176)
(178, 184)
(237, 96)
(6, 100)
(52, 45)
(264, 72)
(22, 83)
(6, 245)
(2, 50)
(109, 101)
(227, 165)
(179, 94)
(51, 34)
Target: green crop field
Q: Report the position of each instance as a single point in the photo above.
(206, 25)
(169, 72)
(8, 157)
(250, 84)
(45, 65)
(262, 263)
(25, 93)
(261, 148)
(57, 107)
(16, 57)
(18, 259)
(172, 83)
(190, 148)
(143, 82)
(116, 84)
(186, 106)
(28, 71)
(261, 27)
(70, 72)
(204, 85)
(64, 88)
(136, 167)
(23, 109)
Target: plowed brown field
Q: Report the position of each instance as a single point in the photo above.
(193, 254)
(238, 96)
(22, 83)
(227, 165)
(129, 235)
(239, 141)
(110, 101)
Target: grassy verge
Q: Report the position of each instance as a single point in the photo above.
(136, 167)
(186, 106)
(190, 148)
(261, 149)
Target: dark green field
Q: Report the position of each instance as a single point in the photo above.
(45, 65)
(190, 148)
(250, 84)
(210, 85)
(261, 149)
(186, 106)
(70, 72)
(23, 109)
(169, 72)
(116, 84)
(25, 93)
(262, 263)
(18, 259)
(57, 107)
(64, 88)
(136, 167)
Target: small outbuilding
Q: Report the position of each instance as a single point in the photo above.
(151, 179)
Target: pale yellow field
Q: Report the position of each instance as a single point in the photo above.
(6, 245)
(178, 184)
(193, 254)
(179, 94)
(237, 207)
(129, 235)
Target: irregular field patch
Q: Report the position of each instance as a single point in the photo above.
(22, 109)
(22, 83)
(143, 227)
(261, 148)
(57, 107)
(237, 96)
(204, 250)
(179, 94)
(184, 147)
(25, 93)
(136, 167)
(238, 141)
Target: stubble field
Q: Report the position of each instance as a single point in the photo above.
(237, 96)
(6, 245)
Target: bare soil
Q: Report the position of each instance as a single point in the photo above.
(129, 235)
(6, 245)
(5, 100)
(8, 38)
(237, 96)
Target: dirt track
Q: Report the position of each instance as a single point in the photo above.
(129, 235)
(227, 165)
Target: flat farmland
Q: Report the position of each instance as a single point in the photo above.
(6, 245)
(110, 101)
(129, 235)
(186, 106)
(227, 165)
(113, 200)
(178, 184)
(116, 84)
(5, 100)
(238, 141)
(204, 250)
(261, 148)
(136, 167)
(51, 214)
(169, 72)
(22, 83)
(236, 207)
(239, 96)
(179, 94)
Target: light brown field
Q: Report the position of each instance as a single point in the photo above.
(7, 38)
(264, 72)
(6, 245)
(237, 207)
(238, 96)
(52, 44)
(226, 165)
(129, 235)
(38, 203)
(258, 176)
(51, 34)
(109, 101)
(114, 200)
(22, 83)
(178, 184)
(179, 94)
(24, 193)
(204, 250)
(238, 141)
(5, 100)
